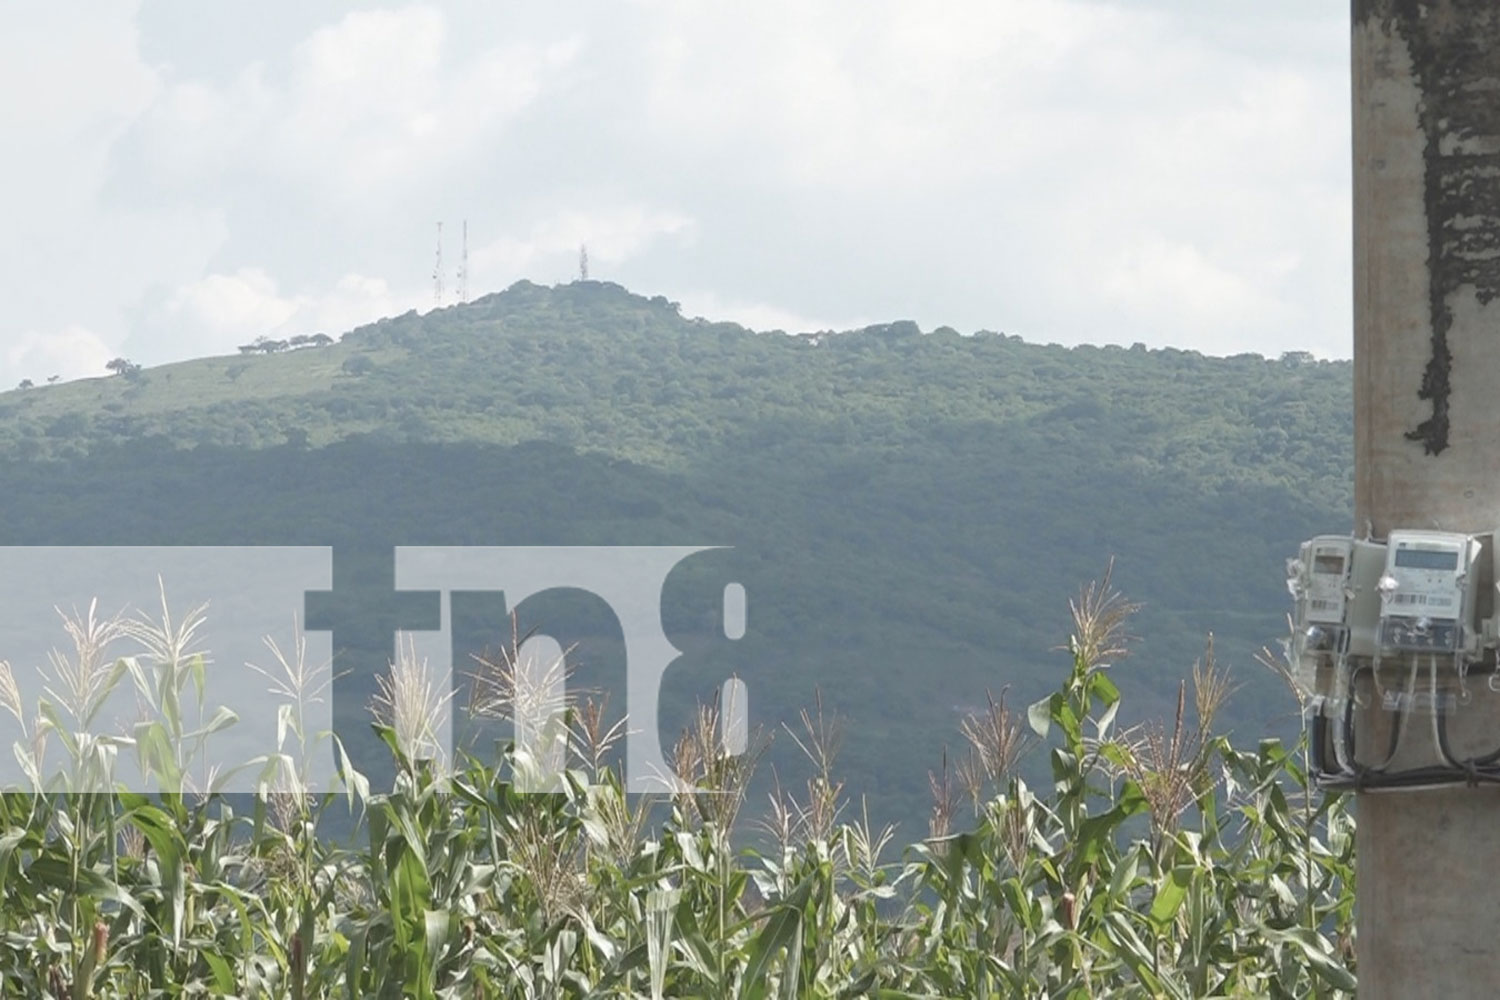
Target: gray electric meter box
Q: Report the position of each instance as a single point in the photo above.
(1321, 583)
(1335, 581)
(1427, 592)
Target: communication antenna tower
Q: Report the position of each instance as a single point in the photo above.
(463, 267)
(583, 262)
(437, 270)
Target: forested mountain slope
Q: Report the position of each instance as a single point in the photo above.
(909, 512)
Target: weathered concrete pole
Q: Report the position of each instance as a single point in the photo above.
(1427, 448)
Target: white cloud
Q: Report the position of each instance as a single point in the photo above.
(550, 249)
(1072, 170)
(368, 106)
(219, 312)
(760, 316)
(70, 84)
(356, 299)
(73, 352)
(70, 76)
(1063, 149)
(1176, 286)
(861, 93)
(232, 307)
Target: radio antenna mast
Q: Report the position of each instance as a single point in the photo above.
(463, 267)
(437, 270)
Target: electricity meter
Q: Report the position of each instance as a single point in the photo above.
(1335, 580)
(1427, 602)
(1326, 562)
(1319, 580)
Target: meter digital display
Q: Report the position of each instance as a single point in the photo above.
(1438, 559)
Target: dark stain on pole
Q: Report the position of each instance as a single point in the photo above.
(1455, 55)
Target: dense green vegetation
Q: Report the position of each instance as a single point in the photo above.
(908, 510)
(1162, 862)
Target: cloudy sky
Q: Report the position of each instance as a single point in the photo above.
(183, 176)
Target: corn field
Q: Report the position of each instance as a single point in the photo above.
(1161, 862)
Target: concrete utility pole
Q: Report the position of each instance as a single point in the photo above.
(1427, 450)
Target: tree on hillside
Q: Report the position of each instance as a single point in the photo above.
(26, 383)
(122, 366)
(265, 345)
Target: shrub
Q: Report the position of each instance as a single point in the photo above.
(358, 365)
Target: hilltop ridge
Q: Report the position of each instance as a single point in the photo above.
(908, 511)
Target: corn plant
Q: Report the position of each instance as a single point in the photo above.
(1162, 861)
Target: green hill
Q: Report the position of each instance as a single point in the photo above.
(909, 511)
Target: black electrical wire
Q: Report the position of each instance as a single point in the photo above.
(1322, 740)
(1397, 726)
(1440, 730)
(1475, 771)
(1474, 768)
(1482, 761)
